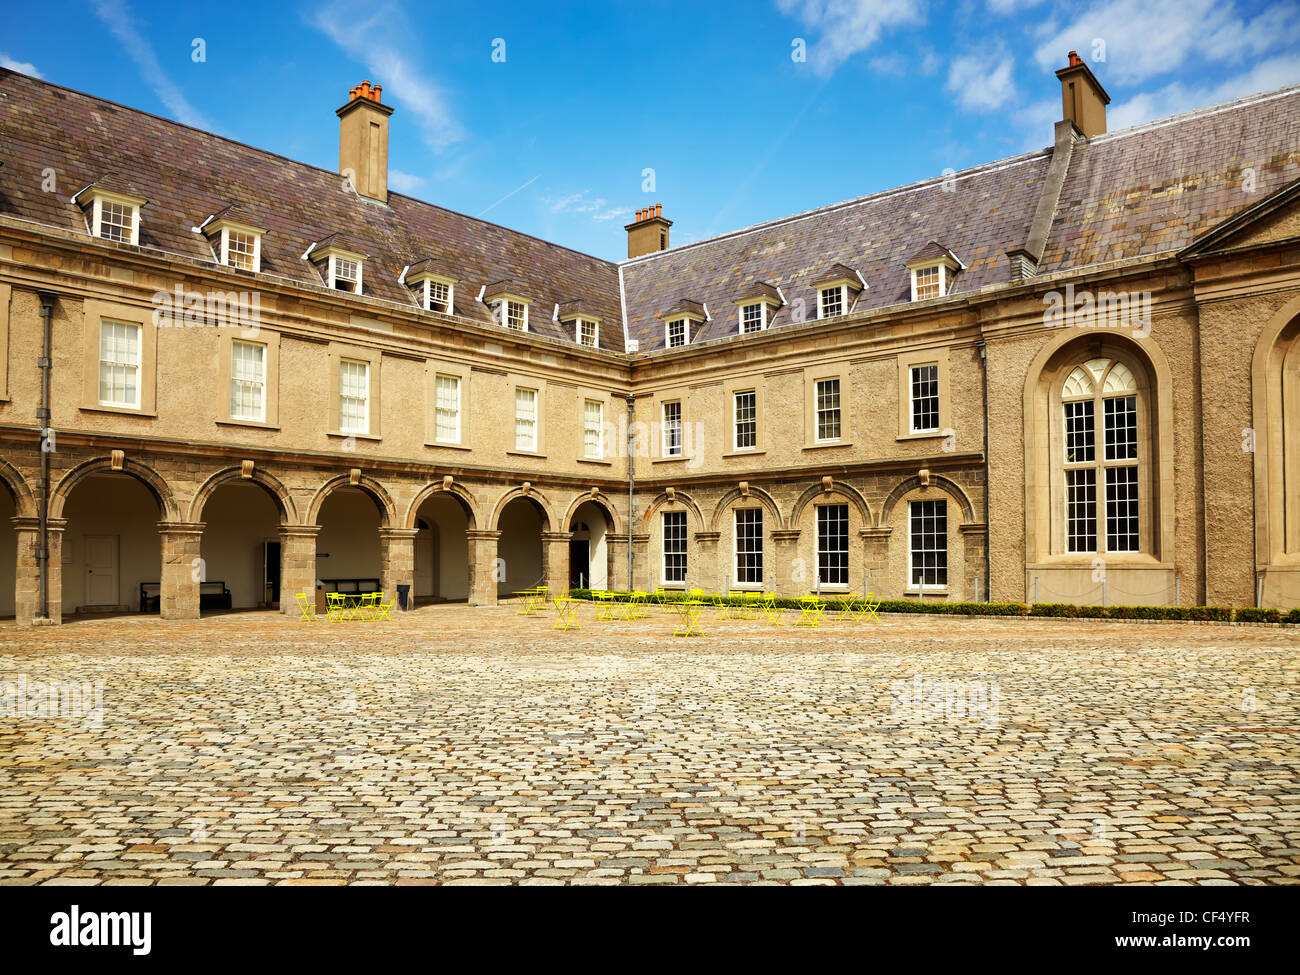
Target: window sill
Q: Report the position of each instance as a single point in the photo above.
(918, 593)
(257, 424)
(343, 435)
(525, 453)
(446, 446)
(752, 452)
(595, 460)
(120, 410)
(922, 435)
(828, 443)
(669, 460)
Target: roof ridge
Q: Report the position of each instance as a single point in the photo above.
(290, 160)
(992, 166)
(987, 167)
(1242, 102)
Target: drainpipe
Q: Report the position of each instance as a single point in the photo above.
(631, 482)
(988, 539)
(43, 422)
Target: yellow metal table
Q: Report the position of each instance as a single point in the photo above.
(688, 612)
(566, 618)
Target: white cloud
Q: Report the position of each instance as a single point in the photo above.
(982, 82)
(1011, 6)
(891, 64)
(848, 27)
(121, 24)
(25, 67)
(1177, 97)
(1146, 38)
(378, 36)
(597, 208)
(404, 182)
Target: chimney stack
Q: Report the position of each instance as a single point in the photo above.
(363, 140)
(1083, 99)
(648, 233)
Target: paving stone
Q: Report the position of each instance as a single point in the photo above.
(477, 747)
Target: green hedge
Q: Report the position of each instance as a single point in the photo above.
(1216, 614)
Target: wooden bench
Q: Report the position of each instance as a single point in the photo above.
(212, 595)
(350, 586)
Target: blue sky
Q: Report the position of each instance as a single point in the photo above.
(555, 138)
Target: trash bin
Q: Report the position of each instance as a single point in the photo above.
(403, 591)
(322, 604)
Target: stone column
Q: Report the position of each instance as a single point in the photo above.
(27, 574)
(974, 541)
(617, 545)
(555, 560)
(181, 569)
(642, 575)
(875, 562)
(482, 554)
(297, 565)
(784, 579)
(702, 569)
(397, 561)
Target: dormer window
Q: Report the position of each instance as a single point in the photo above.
(341, 267)
(508, 303)
(753, 317)
(933, 268)
(110, 213)
(345, 274)
(758, 303)
(516, 315)
(678, 332)
(433, 287)
(586, 332)
(830, 302)
(838, 291)
(237, 245)
(437, 296)
(927, 283)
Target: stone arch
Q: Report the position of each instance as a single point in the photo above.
(846, 491)
(24, 502)
(601, 499)
(765, 499)
(380, 496)
(913, 483)
(1156, 379)
(146, 475)
(457, 491)
(683, 498)
(539, 499)
(1275, 413)
(278, 492)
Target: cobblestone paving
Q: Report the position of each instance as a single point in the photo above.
(457, 745)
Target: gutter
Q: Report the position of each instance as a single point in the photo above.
(45, 364)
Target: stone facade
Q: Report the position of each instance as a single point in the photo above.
(1214, 372)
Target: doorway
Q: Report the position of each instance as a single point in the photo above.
(101, 571)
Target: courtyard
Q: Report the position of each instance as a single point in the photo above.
(455, 745)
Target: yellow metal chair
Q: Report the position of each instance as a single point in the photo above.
(368, 606)
(335, 606)
(810, 611)
(306, 605)
(383, 610)
(688, 612)
(606, 606)
(772, 613)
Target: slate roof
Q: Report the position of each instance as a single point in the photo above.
(1136, 192)
(188, 175)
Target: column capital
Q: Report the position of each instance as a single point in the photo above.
(786, 535)
(303, 531)
(181, 527)
(707, 538)
(556, 536)
(398, 532)
(483, 534)
(24, 523)
(874, 532)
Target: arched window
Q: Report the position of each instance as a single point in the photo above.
(1101, 458)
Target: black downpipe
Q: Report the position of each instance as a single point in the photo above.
(631, 485)
(45, 362)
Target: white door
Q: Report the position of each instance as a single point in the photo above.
(101, 570)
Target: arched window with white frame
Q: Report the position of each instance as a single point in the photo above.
(1100, 444)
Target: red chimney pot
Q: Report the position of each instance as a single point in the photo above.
(1075, 59)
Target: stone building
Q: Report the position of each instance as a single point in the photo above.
(1071, 375)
